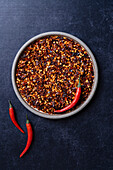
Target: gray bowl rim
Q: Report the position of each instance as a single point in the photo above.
(54, 116)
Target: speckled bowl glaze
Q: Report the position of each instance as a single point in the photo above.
(63, 115)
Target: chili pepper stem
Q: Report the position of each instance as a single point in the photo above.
(10, 105)
(79, 84)
(27, 121)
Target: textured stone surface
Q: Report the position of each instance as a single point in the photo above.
(83, 141)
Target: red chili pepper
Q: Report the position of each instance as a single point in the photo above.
(12, 116)
(77, 97)
(30, 137)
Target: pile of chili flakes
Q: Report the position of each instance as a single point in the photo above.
(48, 70)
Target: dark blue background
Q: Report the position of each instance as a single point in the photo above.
(83, 141)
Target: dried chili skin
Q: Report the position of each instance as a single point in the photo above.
(48, 70)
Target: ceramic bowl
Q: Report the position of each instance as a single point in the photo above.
(63, 115)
